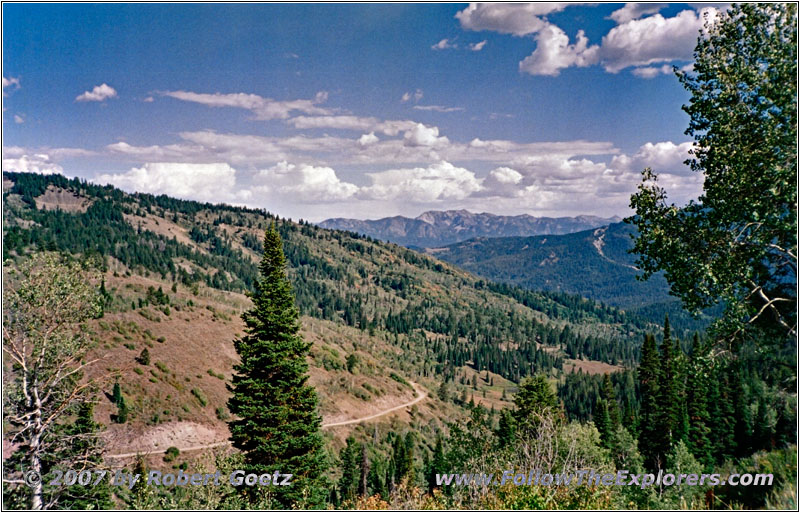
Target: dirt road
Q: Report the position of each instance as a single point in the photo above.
(421, 395)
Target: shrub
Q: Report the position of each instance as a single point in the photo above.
(200, 396)
(144, 357)
(171, 453)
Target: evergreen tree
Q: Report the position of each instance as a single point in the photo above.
(649, 431)
(534, 399)
(144, 357)
(608, 395)
(376, 478)
(349, 465)
(763, 433)
(602, 422)
(668, 400)
(409, 446)
(364, 472)
(505, 429)
(116, 393)
(437, 465)
(742, 419)
(277, 425)
(86, 451)
(721, 414)
(697, 385)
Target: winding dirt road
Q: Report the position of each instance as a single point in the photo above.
(421, 395)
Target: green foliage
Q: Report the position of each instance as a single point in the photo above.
(352, 362)
(535, 400)
(201, 397)
(277, 425)
(738, 243)
(171, 454)
(649, 376)
(349, 460)
(45, 301)
(144, 357)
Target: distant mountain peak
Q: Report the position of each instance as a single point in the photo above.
(436, 228)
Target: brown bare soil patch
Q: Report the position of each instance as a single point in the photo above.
(163, 227)
(56, 198)
(591, 367)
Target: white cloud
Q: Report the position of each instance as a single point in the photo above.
(652, 71)
(306, 183)
(437, 108)
(477, 47)
(438, 182)
(652, 40)
(18, 119)
(503, 181)
(149, 99)
(417, 96)
(633, 11)
(202, 182)
(367, 139)
(97, 94)
(37, 163)
(553, 52)
(263, 108)
(635, 41)
(519, 19)
(12, 82)
(339, 122)
(663, 157)
(444, 44)
(422, 135)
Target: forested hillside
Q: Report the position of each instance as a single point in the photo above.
(595, 263)
(380, 318)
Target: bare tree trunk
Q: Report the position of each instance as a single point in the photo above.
(37, 493)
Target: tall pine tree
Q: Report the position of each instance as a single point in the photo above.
(649, 431)
(697, 391)
(277, 425)
(668, 399)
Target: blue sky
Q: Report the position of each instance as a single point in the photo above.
(316, 111)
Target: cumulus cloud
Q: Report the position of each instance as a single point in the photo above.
(36, 163)
(653, 39)
(12, 82)
(664, 157)
(636, 41)
(263, 108)
(202, 182)
(305, 183)
(422, 135)
(477, 47)
(438, 108)
(518, 19)
(367, 139)
(438, 182)
(633, 11)
(18, 119)
(554, 52)
(97, 94)
(444, 44)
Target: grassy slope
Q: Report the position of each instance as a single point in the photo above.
(330, 270)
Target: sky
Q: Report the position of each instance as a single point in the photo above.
(315, 111)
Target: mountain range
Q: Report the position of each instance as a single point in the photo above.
(439, 228)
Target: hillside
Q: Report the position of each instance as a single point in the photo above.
(177, 273)
(592, 263)
(438, 228)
